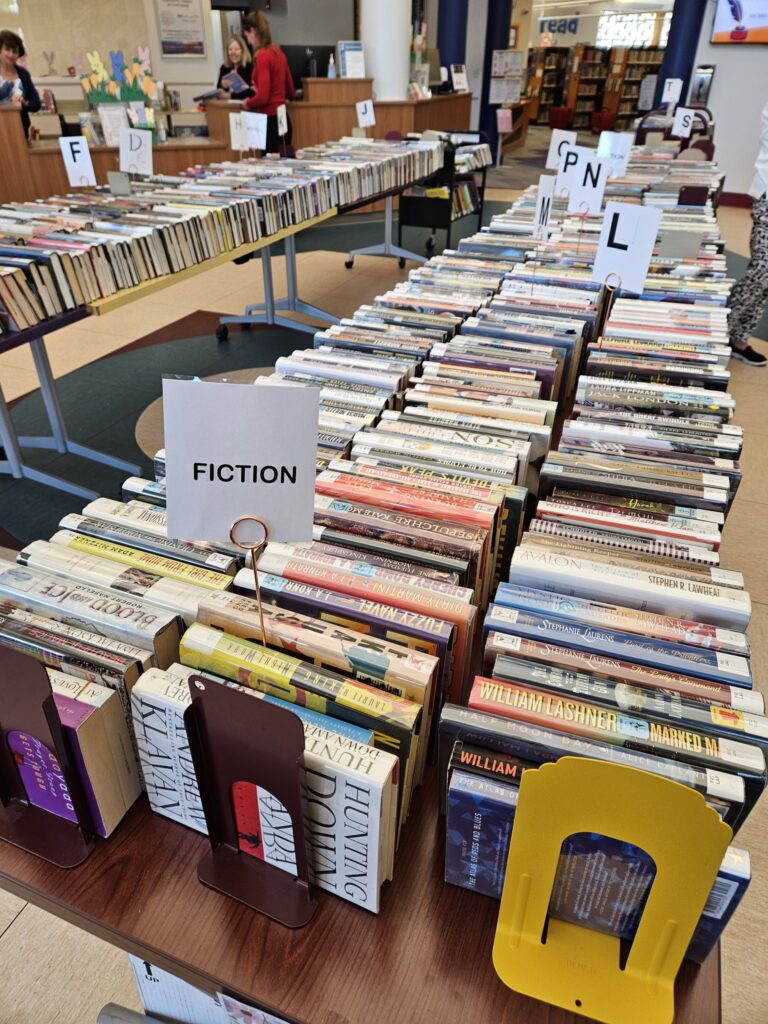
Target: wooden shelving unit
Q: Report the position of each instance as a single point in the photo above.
(628, 68)
(545, 80)
(586, 75)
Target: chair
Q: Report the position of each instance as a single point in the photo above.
(560, 117)
(706, 146)
(394, 136)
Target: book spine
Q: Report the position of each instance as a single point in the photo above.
(604, 724)
(623, 648)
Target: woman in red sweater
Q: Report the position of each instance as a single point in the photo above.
(272, 81)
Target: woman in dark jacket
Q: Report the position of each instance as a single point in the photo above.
(16, 85)
(238, 59)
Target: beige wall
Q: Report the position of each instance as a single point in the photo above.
(69, 26)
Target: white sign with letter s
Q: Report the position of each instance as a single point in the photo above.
(626, 245)
(77, 160)
(682, 123)
(557, 143)
(135, 150)
(235, 449)
(366, 118)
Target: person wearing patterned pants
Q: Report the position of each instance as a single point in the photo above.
(749, 295)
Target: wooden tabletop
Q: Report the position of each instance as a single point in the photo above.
(150, 430)
(425, 959)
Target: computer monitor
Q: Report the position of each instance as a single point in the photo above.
(307, 61)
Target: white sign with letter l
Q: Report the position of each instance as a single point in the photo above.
(626, 245)
(365, 115)
(77, 160)
(234, 450)
(135, 150)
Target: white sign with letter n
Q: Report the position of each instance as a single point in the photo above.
(626, 245)
(77, 160)
(282, 120)
(233, 450)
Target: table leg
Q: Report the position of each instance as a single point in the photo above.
(266, 312)
(114, 1014)
(14, 465)
(386, 248)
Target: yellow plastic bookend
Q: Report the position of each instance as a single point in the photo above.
(579, 969)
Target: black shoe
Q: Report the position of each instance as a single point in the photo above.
(749, 355)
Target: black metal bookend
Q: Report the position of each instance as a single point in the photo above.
(239, 743)
(43, 809)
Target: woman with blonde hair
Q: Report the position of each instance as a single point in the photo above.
(272, 81)
(237, 62)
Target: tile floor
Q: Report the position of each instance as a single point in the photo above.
(72, 974)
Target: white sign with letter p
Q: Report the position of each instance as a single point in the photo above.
(626, 245)
(77, 160)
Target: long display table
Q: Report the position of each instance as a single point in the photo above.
(426, 957)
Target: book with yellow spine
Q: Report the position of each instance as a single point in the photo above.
(395, 722)
(388, 666)
(157, 564)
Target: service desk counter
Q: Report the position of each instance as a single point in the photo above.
(36, 170)
(332, 116)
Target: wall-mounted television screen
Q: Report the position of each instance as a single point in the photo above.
(740, 21)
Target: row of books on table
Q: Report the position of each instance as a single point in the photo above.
(618, 635)
(68, 251)
(614, 632)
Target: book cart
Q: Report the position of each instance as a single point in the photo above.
(459, 196)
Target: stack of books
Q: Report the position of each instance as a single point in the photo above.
(619, 635)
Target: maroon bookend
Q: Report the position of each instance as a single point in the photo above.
(239, 743)
(43, 809)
